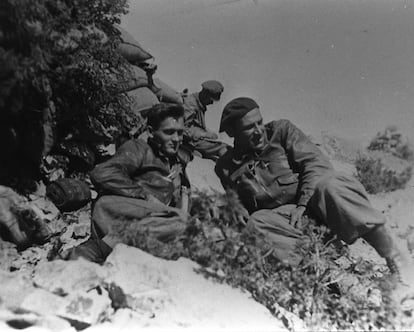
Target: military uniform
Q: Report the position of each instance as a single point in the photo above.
(126, 182)
(197, 137)
(292, 171)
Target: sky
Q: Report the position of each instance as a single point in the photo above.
(345, 67)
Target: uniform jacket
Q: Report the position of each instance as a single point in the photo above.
(194, 111)
(286, 171)
(137, 171)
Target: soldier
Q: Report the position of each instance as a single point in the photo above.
(197, 136)
(280, 175)
(143, 185)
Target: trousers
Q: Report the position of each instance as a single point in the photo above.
(116, 218)
(339, 201)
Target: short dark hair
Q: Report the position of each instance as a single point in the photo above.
(157, 114)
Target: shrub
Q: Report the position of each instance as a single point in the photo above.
(59, 69)
(387, 165)
(228, 253)
(390, 140)
(376, 177)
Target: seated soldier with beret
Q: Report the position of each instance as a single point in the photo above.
(197, 136)
(280, 175)
(143, 185)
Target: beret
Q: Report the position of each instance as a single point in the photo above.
(215, 88)
(234, 110)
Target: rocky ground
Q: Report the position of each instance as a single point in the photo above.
(136, 290)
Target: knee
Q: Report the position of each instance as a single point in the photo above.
(329, 184)
(256, 218)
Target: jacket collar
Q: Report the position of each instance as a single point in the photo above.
(240, 156)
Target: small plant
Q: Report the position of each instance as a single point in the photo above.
(387, 165)
(229, 253)
(377, 178)
(390, 140)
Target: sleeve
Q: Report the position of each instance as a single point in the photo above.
(304, 156)
(189, 114)
(115, 176)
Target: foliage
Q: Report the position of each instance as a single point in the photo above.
(59, 68)
(229, 253)
(390, 140)
(388, 167)
(377, 178)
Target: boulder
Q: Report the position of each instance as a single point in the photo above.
(81, 309)
(202, 176)
(14, 288)
(65, 277)
(183, 298)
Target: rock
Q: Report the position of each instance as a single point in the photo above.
(14, 288)
(10, 321)
(21, 223)
(9, 202)
(29, 258)
(43, 302)
(293, 322)
(81, 309)
(202, 176)
(8, 254)
(179, 297)
(44, 208)
(86, 308)
(125, 318)
(65, 277)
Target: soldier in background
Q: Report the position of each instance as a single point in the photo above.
(197, 136)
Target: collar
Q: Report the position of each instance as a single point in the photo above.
(240, 156)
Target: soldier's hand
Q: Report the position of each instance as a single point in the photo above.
(296, 216)
(242, 215)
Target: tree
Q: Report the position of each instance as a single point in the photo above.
(59, 68)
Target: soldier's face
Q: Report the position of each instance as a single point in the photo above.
(169, 135)
(250, 132)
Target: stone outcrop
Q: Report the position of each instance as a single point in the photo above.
(133, 289)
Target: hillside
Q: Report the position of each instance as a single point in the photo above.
(134, 289)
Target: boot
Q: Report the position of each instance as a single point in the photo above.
(386, 245)
(94, 250)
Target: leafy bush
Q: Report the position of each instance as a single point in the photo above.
(390, 140)
(377, 178)
(59, 68)
(387, 165)
(228, 253)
